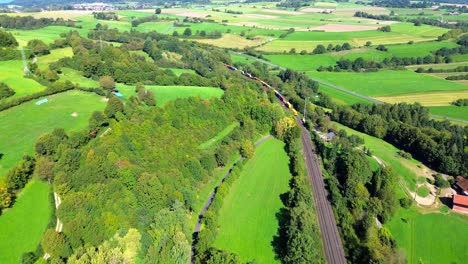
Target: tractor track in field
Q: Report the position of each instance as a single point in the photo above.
(373, 100)
(208, 202)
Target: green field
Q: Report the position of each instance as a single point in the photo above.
(165, 94)
(430, 238)
(387, 82)
(219, 136)
(178, 72)
(12, 74)
(342, 98)
(247, 218)
(458, 112)
(21, 227)
(46, 34)
(420, 49)
(21, 125)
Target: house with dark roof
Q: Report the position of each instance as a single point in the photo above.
(462, 185)
(460, 203)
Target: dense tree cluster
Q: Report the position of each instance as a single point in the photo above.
(105, 15)
(408, 127)
(293, 4)
(5, 91)
(360, 196)
(402, 3)
(457, 77)
(7, 39)
(29, 22)
(141, 20)
(461, 102)
(38, 47)
(14, 181)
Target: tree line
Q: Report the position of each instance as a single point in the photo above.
(29, 22)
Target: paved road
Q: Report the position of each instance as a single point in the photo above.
(341, 88)
(197, 228)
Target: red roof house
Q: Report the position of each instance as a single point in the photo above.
(462, 184)
(460, 203)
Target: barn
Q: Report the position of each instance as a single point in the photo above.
(460, 203)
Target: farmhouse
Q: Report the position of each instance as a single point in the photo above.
(460, 203)
(462, 185)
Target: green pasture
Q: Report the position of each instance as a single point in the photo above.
(75, 77)
(420, 49)
(458, 112)
(212, 141)
(406, 169)
(178, 71)
(55, 55)
(23, 124)
(430, 238)
(12, 74)
(46, 34)
(241, 59)
(165, 94)
(161, 27)
(21, 226)
(342, 98)
(247, 219)
(387, 82)
(460, 58)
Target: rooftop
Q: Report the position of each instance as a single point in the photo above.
(462, 183)
(460, 200)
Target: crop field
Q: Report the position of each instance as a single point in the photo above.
(458, 112)
(387, 83)
(21, 227)
(247, 218)
(430, 238)
(342, 98)
(407, 169)
(12, 74)
(426, 99)
(23, 124)
(232, 41)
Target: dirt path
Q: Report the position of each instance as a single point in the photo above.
(59, 226)
(208, 202)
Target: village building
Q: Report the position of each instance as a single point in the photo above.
(460, 203)
(462, 185)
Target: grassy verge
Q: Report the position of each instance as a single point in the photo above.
(247, 218)
(21, 227)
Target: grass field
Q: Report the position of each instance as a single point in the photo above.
(247, 218)
(178, 72)
(459, 112)
(420, 49)
(219, 136)
(427, 99)
(231, 41)
(407, 169)
(430, 238)
(387, 83)
(55, 55)
(165, 94)
(21, 125)
(12, 74)
(21, 227)
(342, 98)
(46, 34)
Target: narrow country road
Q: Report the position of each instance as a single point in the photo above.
(341, 88)
(197, 228)
(332, 244)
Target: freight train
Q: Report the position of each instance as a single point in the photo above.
(266, 85)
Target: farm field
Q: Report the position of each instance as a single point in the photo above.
(12, 74)
(23, 124)
(247, 218)
(342, 98)
(387, 82)
(458, 112)
(426, 99)
(21, 226)
(430, 238)
(232, 41)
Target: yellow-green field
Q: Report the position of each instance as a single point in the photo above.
(426, 99)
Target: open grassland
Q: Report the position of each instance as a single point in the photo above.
(78, 79)
(178, 71)
(11, 73)
(409, 170)
(387, 82)
(460, 58)
(420, 49)
(21, 227)
(211, 142)
(430, 238)
(342, 98)
(458, 112)
(55, 55)
(426, 99)
(232, 41)
(247, 218)
(22, 125)
(242, 59)
(164, 94)
(46, 34)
